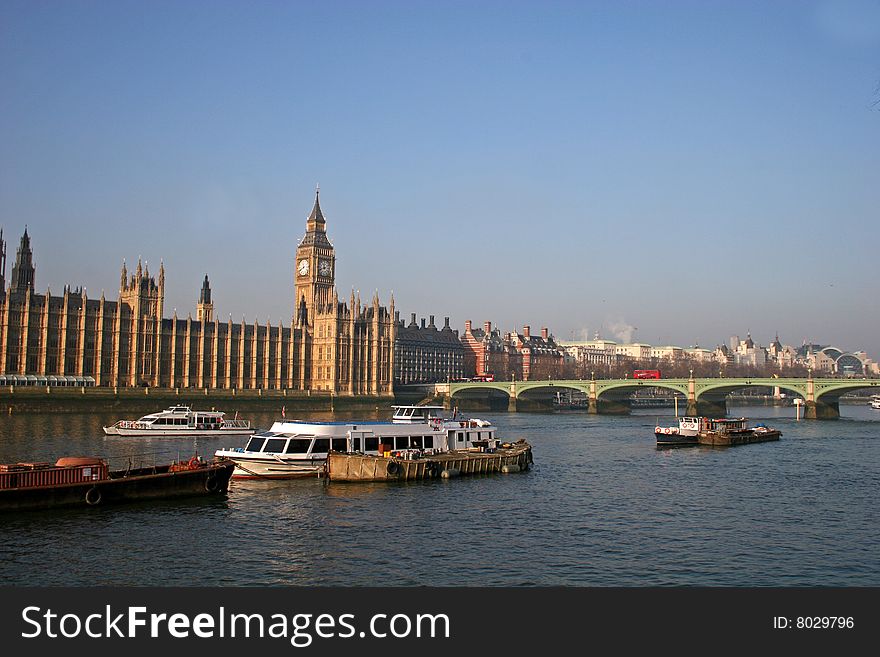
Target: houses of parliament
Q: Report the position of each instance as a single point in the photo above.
(339, 346)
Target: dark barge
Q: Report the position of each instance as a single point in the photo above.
(88, 481)
(716, 432)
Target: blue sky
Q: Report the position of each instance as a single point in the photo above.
(673, 172)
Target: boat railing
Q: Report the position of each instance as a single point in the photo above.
(237, 424)
(131, 424)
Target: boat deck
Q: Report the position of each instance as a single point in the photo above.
(363, 467)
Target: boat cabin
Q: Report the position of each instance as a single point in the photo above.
(183, 416)
(420, 414)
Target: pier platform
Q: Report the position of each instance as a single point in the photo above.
(363, 467)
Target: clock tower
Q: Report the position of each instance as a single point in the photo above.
(314, 270)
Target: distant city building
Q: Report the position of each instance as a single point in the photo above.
(331, 346)
(746, 352)
(423, 354)
(536, 357)
(521, 356)
(590, 356)
(831, 360)
(486, 352)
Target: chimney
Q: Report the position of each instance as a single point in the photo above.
(423, 322)
(412, 319)
(467, 326)
(431, 323)
(526, 332)
(487, 327)
(545, 333)
(446, 322)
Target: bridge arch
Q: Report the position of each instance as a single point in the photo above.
(705, 396)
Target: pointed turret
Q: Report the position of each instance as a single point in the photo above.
(23, 270)
(2, 263)
(205, 308)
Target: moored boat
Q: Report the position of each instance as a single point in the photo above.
(297, 448)
(181, 421)
(88, 481)
(686, 433)
(714, 431)
(875, 401)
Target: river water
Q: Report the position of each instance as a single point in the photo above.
(602, 506)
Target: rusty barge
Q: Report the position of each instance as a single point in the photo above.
(715, 432)
(88, 482)
(351, 467)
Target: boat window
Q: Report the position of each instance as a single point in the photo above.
(371, 444)
(460, 437)
(275, 445)
(415, 442)
(429, 442)
(401, 442)
(339, 444)
(322, 445)
(255, 444)
(298, 445)
(355, 444)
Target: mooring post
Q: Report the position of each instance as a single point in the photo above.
(692, 395)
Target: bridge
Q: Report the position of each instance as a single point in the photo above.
(704, 396)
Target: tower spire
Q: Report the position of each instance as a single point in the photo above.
(23, 270)
(205, 308)
(316, 220)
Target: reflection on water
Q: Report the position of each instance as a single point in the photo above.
(602, 506)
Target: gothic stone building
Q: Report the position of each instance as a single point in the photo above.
(330, 346)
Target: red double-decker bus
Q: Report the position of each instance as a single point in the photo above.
(646, 374)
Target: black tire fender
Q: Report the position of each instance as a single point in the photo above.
(93, 496)
(212, 483)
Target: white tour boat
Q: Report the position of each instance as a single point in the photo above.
(875, 401)
(181, 421)
(299, 448)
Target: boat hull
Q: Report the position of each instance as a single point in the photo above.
(255, 468)
(170, 433)
(121, 487)
(740, 438)
(675, 440)
(343, 467)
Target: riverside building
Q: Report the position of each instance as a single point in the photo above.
(330, 345)
(424, 354)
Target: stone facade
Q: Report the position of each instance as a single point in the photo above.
(424, 354)
(331, 346)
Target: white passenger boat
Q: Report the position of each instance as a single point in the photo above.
(298, 448)
(181, 421)
(875, 401)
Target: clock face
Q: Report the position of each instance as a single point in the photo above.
(303, 267)
(324, 267)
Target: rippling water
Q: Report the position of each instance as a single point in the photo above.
(602, 506)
